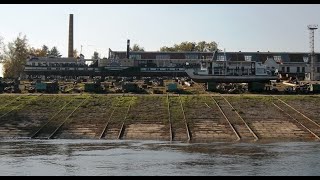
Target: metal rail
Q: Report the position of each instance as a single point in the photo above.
(185, 120)
(36, 133)
(312, 121)
(123, 124)
(254, 135)
(16, 107)
(10, 102)
(296, 121)
(106, 125)
(67, 118)
(170, 124)
(225, 117)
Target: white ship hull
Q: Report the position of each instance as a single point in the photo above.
(228, 78)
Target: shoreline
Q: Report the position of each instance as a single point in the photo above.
(187, 118)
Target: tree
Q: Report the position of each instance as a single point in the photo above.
(43, 52)
(15, 56)
(136, 47)
(167, 49)
(201, 46)
(54, 52)
(1, 48)
(212, 46)
(95, 55)
(75, 53)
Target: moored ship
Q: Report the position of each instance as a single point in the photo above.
(213, 70)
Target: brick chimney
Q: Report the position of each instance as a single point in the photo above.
(70, 43)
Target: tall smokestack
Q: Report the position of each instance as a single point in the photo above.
(70, 47)
(128, 48)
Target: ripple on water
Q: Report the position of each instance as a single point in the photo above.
(100, 157)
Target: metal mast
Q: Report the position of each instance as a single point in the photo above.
(312, 28)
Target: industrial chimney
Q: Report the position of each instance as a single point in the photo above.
(128, 48)
(70, 43)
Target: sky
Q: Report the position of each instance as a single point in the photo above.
(98, 27)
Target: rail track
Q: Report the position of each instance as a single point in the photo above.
(239, 124)
(102, 134)
(307, 123)
(48, 129)
(66, 119)
(121, 132)
(16, 104)
(115, 125)
(185, 119)
(179, 126)
(169, 118)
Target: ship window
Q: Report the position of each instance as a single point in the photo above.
(303, 69)
(247, 58)
(298, 69)
(318, 69)
(221, 58)
(135, 56)
(277, 58)
(163, 56)
(283, 69)
(288, 69)
(191, 56)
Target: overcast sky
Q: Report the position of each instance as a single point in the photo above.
(243, 27)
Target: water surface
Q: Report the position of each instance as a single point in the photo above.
(100, 157)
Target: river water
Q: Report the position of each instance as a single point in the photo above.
(128, 158)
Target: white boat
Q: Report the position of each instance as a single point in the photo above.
(230, 72)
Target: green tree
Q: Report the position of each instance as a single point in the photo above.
(136, 47)
(45, 50)
(40, 52)
(167, 49)
(201, 46)
(54, 52)
(95, 55)
(211, 46)
(15, 56)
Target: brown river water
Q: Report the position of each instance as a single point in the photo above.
(130, 158)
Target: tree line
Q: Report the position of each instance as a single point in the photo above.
(14, 54)
(201, 46)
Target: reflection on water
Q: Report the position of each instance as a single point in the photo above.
(99, 157)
